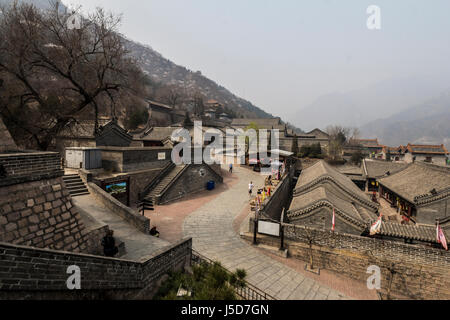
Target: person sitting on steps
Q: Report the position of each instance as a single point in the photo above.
(154, 232)
(109, 244)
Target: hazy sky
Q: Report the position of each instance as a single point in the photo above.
(281, 55)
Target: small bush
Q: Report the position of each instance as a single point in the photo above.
(207, 282)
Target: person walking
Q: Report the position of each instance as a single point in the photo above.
(231, 168)
(250, 188)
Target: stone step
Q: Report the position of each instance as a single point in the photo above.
(70, 176)
(156, 191)
(75, 185)
(78, 192)
(73, 181)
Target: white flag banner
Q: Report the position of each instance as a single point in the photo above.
(441, 237)
(333, 221)
(376, 227)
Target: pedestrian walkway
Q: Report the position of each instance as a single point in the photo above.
(138, 245)
(211, 227)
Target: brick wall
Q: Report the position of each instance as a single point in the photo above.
(139, 181)
(273, 207)
(40, 214)
(23, 167)
(41, 274)
(420, 272)
(133, 159)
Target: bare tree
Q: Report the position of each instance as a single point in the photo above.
(338, 138)
(172, 96)
(52, 73)
(198, 104)
(310, 236)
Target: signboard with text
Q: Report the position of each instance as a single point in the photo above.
(269, 228)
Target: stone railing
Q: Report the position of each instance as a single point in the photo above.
(131, 216)
(156, 180)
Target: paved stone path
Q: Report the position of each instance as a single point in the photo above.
(138, 245)
(211, 227)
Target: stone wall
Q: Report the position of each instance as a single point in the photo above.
(29, 273)
(193, 179)
(139, 181)
(133, 159)
(435, 159)
(40, 214)
(32, 166)
(63, 143)
(286, 143)
(419, 272)
(131, 216)
(93, 240)
(273, 207)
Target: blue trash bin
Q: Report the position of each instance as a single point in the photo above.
(210, 185)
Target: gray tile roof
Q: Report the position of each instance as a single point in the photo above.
(427, 149)
(378, 168)
(425, 233)
(349, 169)
(323, 196)
(155, 134)
(416, 183)
(321, 173)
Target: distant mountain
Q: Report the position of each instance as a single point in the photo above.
(427, 122)
(384, 99)
(165, 71)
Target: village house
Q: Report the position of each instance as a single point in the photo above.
(393, 153)
(80, 133)
(368, 147)
(146, 171)
(210, 113)
(420, 192)
(154, 137)
(213, 104)
(321, 189)
(313, 137)
(354, 172)
(261, 123)
(163, 115)
(286, 136)
(436, 154)
(374, 169)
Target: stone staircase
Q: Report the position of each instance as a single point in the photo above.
(157, 191)
(75, 185)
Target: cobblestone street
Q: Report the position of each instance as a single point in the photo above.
(211, 227)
